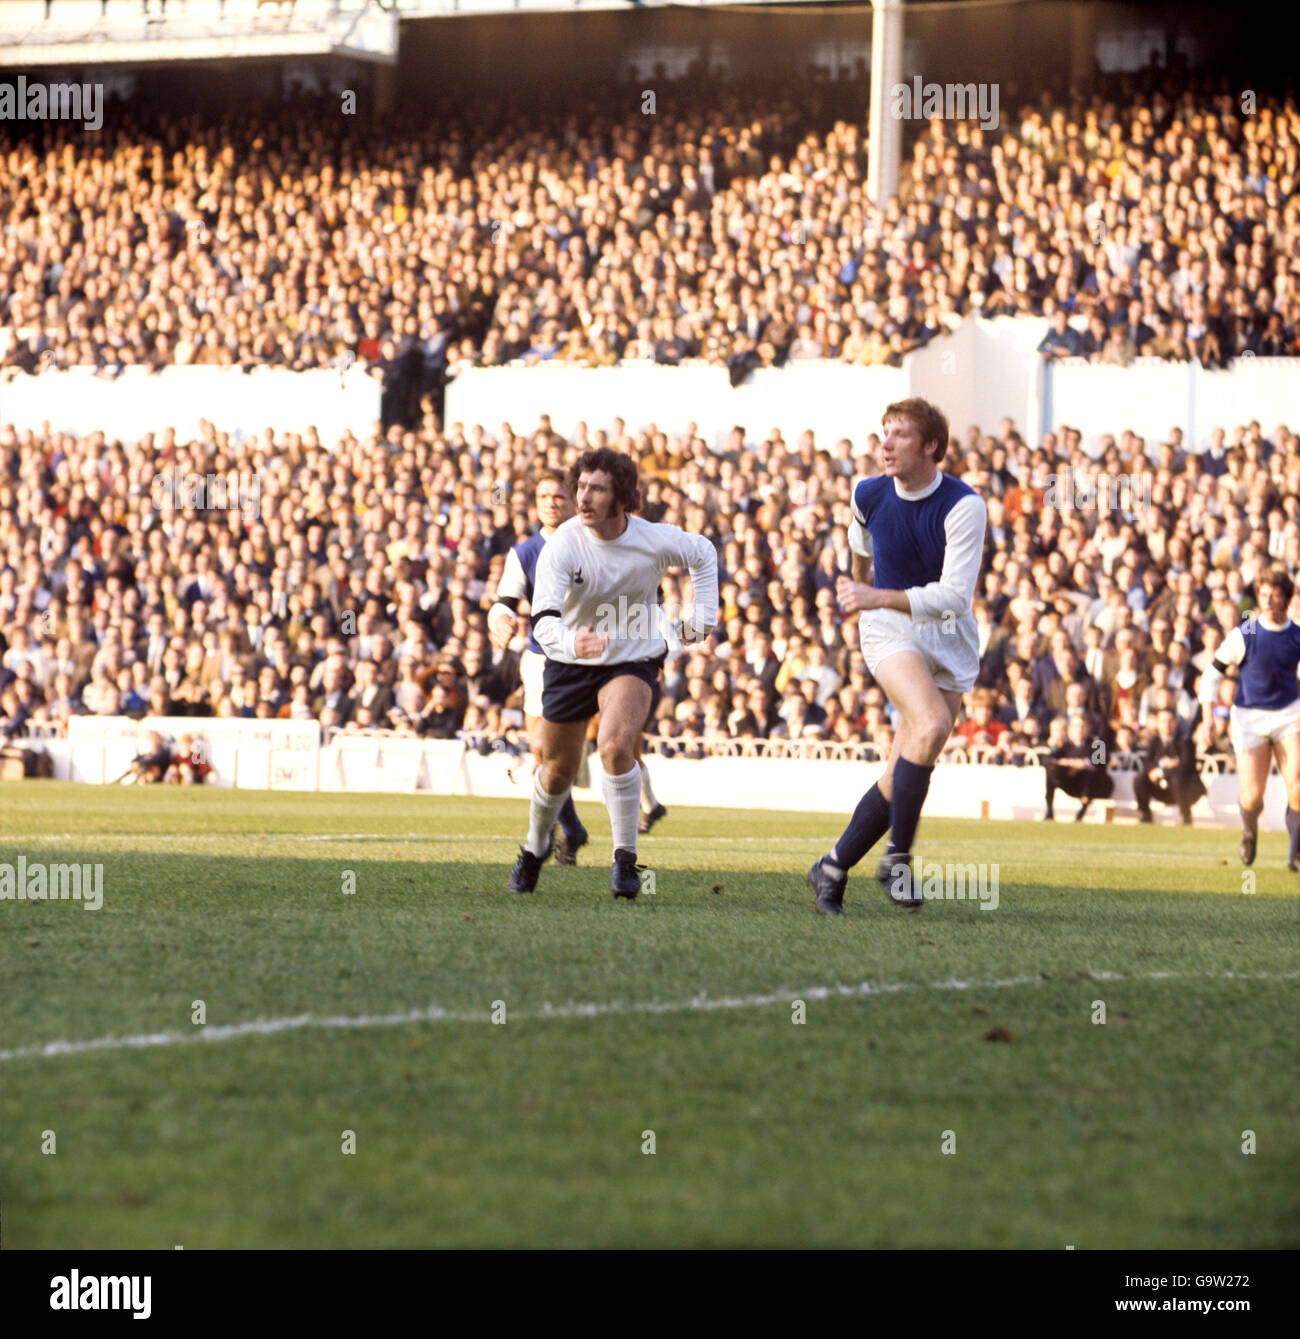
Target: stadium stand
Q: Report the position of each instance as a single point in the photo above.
(356, 601)
(283, 238)
(731, 234)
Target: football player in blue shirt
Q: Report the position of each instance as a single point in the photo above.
(918, 540)
(1265, 719)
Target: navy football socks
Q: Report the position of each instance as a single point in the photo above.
(868, 825)
(570, 823)
(911, 785)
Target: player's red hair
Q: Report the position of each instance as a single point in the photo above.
(930, 421)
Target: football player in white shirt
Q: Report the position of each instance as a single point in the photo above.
(596, 615)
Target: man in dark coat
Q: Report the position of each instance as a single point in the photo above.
(1078, 767)
(1168, 770)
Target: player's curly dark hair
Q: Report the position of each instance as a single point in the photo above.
(621, 470)
(931, 422)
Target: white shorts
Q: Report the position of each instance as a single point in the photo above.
(950, 648)
(531, 666)
(1251, 726)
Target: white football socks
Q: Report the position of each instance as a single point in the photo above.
(542, 813)
(623, 800)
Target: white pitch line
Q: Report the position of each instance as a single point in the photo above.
(696, 1004)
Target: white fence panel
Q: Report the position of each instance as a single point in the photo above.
(290, 755)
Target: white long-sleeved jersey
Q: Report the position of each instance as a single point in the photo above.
(612, 585)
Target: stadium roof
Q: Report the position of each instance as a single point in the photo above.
(49, 33)
(81, 32)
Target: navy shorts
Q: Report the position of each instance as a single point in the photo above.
(571, 692)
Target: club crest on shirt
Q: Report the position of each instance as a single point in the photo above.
(578, 578)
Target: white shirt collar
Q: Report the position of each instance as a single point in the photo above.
(920, 492)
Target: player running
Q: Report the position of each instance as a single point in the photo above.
(554, 507)
(918, 635)
(596, 615)
(1265, 719)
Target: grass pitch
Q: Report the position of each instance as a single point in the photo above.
(952, 1027)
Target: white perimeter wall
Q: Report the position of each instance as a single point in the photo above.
(289, 755)
(138, 401)
(833, 400)
(983, 372)
(1150, 397)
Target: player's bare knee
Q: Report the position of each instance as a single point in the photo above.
(617, 756)
(929, 735)
(557, 776)
(557, 766)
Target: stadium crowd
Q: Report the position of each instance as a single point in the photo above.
(1158, 214)
(353, 590)
(357, 595)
